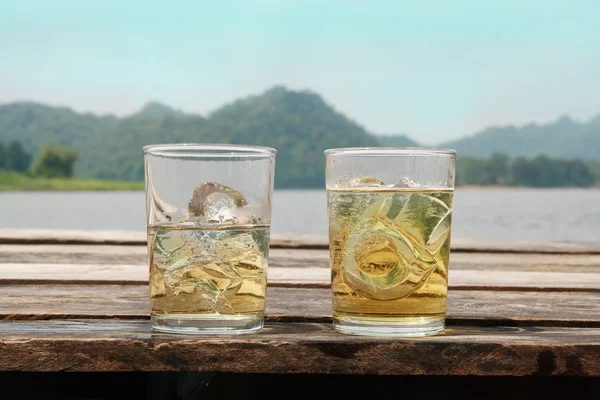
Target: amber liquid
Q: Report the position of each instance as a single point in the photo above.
(389, 253)
(208, 274)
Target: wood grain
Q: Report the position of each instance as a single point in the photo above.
(295, 241)
(521, 246)
(73, 254)
(90, 274)
(116, 254)
(124, 274)
(23, 273)
(465, 307)
(300, 258)
(462, 279)
(21, 302)
(71, 236)
(525, 262)
(132, 238)
(298, 348)
(79, 301)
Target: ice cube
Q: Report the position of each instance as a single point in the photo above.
(380, 263)
(253, 289)
(190, 255)
(215, 202)
(157, 284)
(244, 216)
(222, 275)
(252, 264)
(426, 219)
(185, 244)
(219, 208)
(202, 295)
(242, 250)
(166, 243)
(235, 247)
(385, 206)
(406, 182)
(359, 182)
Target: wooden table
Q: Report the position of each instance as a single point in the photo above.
(520, 315)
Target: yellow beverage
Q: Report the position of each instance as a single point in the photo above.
(215, 275)
(389, 250)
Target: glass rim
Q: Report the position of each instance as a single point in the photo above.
(208, 150)
(391, 151)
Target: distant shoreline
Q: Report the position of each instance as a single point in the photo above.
(491, 187)
(13, 182)
(501, 187)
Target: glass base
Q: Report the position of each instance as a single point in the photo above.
(411, 327)
(207, 324)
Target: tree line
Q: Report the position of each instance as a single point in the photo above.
(538, 171)
(499, 169)
(52, 162)
(300, 125)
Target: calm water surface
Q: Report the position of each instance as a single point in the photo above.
(526, 214)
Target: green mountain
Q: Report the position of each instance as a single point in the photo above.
(33, 124)
(397, 140)
(155, 111)
(299, 124)
(563, 138)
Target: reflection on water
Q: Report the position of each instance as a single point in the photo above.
(528, 214)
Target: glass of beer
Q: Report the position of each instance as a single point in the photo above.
(208, 210)
(390, 216)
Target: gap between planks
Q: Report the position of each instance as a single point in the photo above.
(300, 304)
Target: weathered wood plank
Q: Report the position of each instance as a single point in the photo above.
(298, 348)
(301, 258)
(466, 307)
(306, 304)
(522, 246)
(90, 274)
(73, 301)
(71, 236)
(132, 238)
(462, 279)
(73, 254)
(116, 254)
(22, 273)
(525, 262)
(50, 236)
(126, 274)
(299, 241)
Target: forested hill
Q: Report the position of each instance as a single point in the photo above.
(397, 140)
(563, 138)
(299, 124)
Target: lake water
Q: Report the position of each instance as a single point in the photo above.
(522, 214)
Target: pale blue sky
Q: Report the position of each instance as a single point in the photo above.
(432, 69)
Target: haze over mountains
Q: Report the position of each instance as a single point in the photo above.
(299, 124)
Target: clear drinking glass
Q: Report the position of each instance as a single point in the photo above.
(390, 214)
(208, 210)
